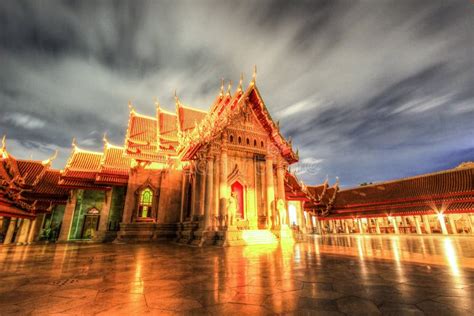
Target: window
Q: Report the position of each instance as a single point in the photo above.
(255, 143)
(240, 140)
(146, 202)
(248, 141)
(231, 138)
(261, 144)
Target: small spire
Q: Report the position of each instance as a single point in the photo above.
(4, 142)
(222, 88)
(74, 142)
(254, 75)
(157, 104)
(229, 86)
(104, 138)
(176, 99)
(239, 88)
(50, 159)
(130, 106)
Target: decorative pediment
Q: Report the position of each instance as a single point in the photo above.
(236, 175)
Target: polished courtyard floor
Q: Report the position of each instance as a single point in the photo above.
(330, 275)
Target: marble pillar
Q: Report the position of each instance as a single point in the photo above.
(68, 216)
(10, 231)
(281, 168)
(361, 227)
(452, 224)
(470, 223)
(223, 186)
(417, 224)
(426, 223)
(24, 230)
(395, 225)
(193, 194)
(442, 224)
(183, 196)
(104, 214)
(36, 228)
(202, 186)
(377, 226)
(215, 211)
(270, 192)
(209, 188)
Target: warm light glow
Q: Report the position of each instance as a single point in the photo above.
(451, 256)
(292, 213)
(259, 237)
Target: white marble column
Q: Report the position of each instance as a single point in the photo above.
(209, 188)
(470, 222)
(36, 228)
(426, 223)
(223, 185)
(452, 223)
(68, 216)
(24, 230)
(395, 225)
(377, 226)
(183, 195)
(202, 186)
(361, 227)
(10, 231)
(418, 225)
(442, 224)
(215, 193)
(270, 192)
(281, 168)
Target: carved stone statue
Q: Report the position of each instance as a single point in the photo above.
(231, 209)
(281, 211)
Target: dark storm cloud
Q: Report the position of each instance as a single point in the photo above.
(368, 90)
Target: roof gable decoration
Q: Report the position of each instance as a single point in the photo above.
(221, 115)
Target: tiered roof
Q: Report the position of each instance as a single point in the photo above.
(450, 191)
(28, 187)
(222, 112)
(96, 170)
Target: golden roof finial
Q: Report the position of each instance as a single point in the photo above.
(240, 81)
(4, 142)
(50, 159)
(176, 98)
(104, 138)
(229, 86)
(74, 142)
(157, 104)
(222, 88)
(254, 75)
(130, 106)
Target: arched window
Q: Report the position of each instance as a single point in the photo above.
(231, 138)
(255, 143)
(248, 141)
(261, 144)
(146, 202)
(240, 140)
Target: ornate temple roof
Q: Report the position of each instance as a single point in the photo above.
(28, 186)
(445, 191)
(225, 107)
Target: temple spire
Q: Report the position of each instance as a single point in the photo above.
(74, 145)
(176, 98)
(104, 139)
(48, 161)
(229, 87)
(4, 143)
(222, 88)
(130, 106)
(254, 75)
(239, 88)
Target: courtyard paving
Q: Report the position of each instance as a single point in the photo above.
(330, 275)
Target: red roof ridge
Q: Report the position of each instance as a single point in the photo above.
(407, 178)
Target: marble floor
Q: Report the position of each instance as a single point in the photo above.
(330, 275)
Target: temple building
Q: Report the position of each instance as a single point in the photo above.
(438, 203)
(216, 177)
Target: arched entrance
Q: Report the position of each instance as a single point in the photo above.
(238, 189)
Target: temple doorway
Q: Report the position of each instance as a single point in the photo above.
(238, 189)
(91, 224)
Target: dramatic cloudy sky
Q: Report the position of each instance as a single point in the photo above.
(368, 90)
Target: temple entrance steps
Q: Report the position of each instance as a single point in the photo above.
(259, 237)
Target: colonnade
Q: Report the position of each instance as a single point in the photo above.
(21, 231)
(445, 224)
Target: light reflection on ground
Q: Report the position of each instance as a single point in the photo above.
(329, 275)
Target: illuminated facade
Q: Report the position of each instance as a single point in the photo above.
(200, 177)
(438, 203)
(216, 177)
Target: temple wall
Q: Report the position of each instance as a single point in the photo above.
(170, 197)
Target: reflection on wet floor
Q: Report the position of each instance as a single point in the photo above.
(328, 275)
